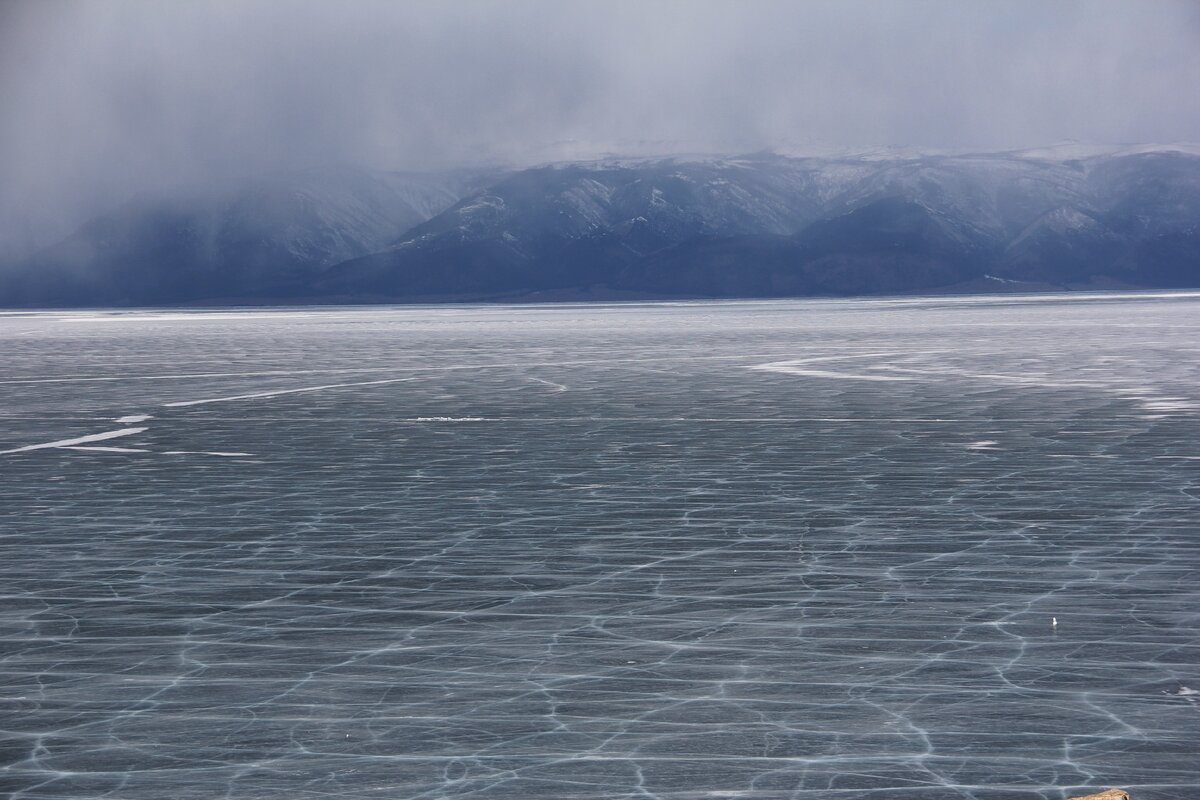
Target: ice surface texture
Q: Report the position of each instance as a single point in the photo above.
(658, 551)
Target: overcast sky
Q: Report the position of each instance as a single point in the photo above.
(105, 98)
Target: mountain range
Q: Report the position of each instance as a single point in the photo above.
(758, 225)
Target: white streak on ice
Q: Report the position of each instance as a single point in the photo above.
(198, 316)
(205, 453)
(360, 370)
(103, 449)
(277, 392)
(93, 437)
(133, 418)
(1168, 404)
(190, 375)
(558, 387)
(796, 367)
(1159, 406)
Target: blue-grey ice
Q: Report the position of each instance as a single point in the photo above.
(935, 548)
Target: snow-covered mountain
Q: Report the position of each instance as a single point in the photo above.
(774, 225)
(581, 224)
(267, 238)
(755, 225)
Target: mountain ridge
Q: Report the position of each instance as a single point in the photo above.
(760, 224)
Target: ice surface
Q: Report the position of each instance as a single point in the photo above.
(800, 367)
(91, 437)
(677, 577)
(277, 392)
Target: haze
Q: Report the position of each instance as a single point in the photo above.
(104, 100)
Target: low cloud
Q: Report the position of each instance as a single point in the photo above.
(103, 100)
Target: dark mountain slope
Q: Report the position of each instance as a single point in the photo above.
(579, 225)
(760, 225)
(887, 245)
(724, 227)
(1138, 225)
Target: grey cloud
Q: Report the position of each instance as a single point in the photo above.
(102, 100)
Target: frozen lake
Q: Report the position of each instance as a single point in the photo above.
(927, 549)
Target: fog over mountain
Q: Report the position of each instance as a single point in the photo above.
(154, 118)
(741, 226)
